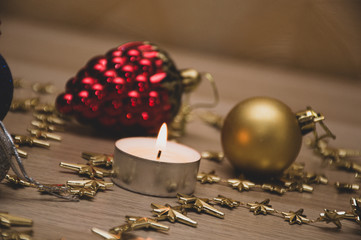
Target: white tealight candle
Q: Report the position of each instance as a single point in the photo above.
(146, 148)
(143, 165)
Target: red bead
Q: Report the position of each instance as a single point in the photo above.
(96, 66)
(64, 103)
(113, 108)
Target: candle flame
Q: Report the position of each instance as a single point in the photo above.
(162, 137)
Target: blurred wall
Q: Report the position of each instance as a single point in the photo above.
(313, 35)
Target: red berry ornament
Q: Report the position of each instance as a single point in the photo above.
(132, 89)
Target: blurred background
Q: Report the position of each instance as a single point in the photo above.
(317, 36)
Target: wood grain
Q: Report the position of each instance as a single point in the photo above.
(338, 99)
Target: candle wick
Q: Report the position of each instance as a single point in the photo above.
(159, 153)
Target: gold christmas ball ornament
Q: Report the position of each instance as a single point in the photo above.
(261, 136)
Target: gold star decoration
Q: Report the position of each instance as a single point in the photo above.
(107, 235)
(273, 188)
(23, 140)
(208, 177)
(23, 105)
(296, 170)
(119, 230)
(331, 216)
(15, 180)
(316, 179)
(43, 88)
(295, 217)
(169, 213)
(348, 152)
(15, 235)
(45, 108)
(296, 173)
(347, 187)
(241, 185)
(261, 208)
(166, 212)
(93, 184)
(87, 188)
(83, 192)
(298, 186)
(145, 222)
(43, 134)
(348, 165)
(98, 159)
(76, 188)
(224, 201)
(8, 220)
(51, 119)
(335, 155)
(18, 82)
(356, 209)
(46, 126)
(199, 204)
(132, 223)
(89, 170)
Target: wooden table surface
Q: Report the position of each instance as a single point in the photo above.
(42, 54)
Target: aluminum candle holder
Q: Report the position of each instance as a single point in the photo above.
(139, 168)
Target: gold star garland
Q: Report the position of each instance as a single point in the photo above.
(295, 217)
(178, 214)
(228, 202)
(261, 207)
(331, 216)
(293, 179)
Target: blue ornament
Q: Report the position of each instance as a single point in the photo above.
(6, 88)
